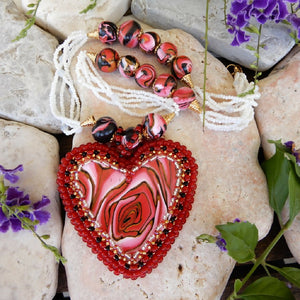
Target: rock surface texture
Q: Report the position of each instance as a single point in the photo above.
(28, 270)
(63, 17)
(26, 71)
(278, 118)
(190, 17)
(230, 185)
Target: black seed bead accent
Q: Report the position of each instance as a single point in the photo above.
(72, 196)
(91, 228)
(158, 243)
(172, 219)
(187, 171)
(182, 194)
(127, 266)
(175, 150)
(96, 152)
(166, 231)
(184, 159)
(151, 149)
(140, 264)
(116, 257)
(118, 143)
(142, 156)
(164, 148)
(73, 162)
(67, 173)
(98, 239)
(186, 183)
(67, 185)
(150, 253)
(75, 208)
(180, 206)
(84, 154)
(107, 248)
(107, 155)
(83, 218)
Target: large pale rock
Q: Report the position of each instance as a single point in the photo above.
(277, 117)
(230, 185)
(190, 16)
(29, 271)
(26, 71)
(63, 17)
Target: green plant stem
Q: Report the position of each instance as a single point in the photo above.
(261, 260)
(205, 61)
(257, 74)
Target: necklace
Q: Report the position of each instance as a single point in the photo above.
(129, 193)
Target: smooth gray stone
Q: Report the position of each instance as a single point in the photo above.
(26, 71)
(189, 15)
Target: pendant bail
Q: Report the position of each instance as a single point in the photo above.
(90, 121)
(187, 79)
(93, 35)
(195, 106)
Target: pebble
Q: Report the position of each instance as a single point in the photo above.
(63, 17)
(26, 71)
(277, 117)
(190, 17)
(28, 270)
(230, 185)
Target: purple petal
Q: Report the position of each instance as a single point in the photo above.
(237, 6)
(221, 243)
(290, 145)
(9, 174)
(283, 11)
(3, 217)
(13, 193)
(45, 201)
(4, 226)
(241, 20)
(42, 216)
(260, 4)
(15, 224)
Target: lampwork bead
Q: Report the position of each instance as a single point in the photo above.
(129, 33)
(107, 32)
(183, 97)
(131, 138)
(104, 129)
(107, 60)
(181, 66)
(166, 52)
(164, 85)
(155, 125)
(128, 65)
(145, 75)
(149, 41)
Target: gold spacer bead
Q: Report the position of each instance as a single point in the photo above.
(92, 56)
(93, 35)
(169, 117)
(195, 106)
(187, 79)
(90, 121)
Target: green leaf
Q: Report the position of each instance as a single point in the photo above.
(292, 158)
(267, 288)
(241, 239)
(291, 274)
(45, 236)
(30, 12)
(251, 48)
(237, 285)
(277, 172)
(254, 67)
(31, 5)
(252, 29)
(206, 238)
(89, 7)
(294, 194)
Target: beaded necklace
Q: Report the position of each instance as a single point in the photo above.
(129, 193)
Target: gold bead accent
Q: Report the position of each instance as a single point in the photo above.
(169, 117)
(195, 106)
(93, 35)
(92, 56)
(187, 79)
(90, 121)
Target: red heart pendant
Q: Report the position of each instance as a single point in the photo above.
(128, 211)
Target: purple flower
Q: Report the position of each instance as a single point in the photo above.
(291, 146)
(220, 242)
(19, 204)
(295, 22)
(9, 174)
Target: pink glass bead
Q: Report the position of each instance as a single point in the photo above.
(166, 52)
(145, 75)
(107, 60)
(164, 85)
(107, 32)
(149, 41)
(155, 125)
(128, 65)
(130, 139)
(181, 66)
(129, 33)
(183, 97)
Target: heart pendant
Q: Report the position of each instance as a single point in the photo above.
(128, 210)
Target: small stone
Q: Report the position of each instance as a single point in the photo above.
(28, 270)
(190, 17)
(26, 71)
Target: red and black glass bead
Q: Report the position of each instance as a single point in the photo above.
(129, 33)
(107, 32)
(107, 60)
(166, 53)
(104, 129)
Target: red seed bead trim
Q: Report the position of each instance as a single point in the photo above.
(101, 244)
